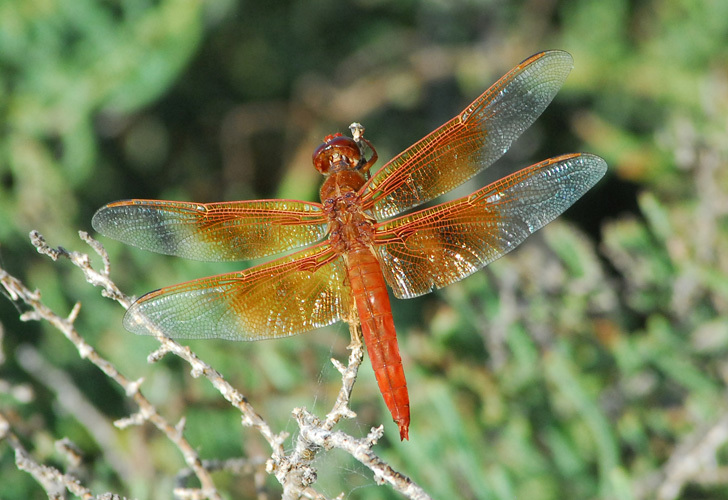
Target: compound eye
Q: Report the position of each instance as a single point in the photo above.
(333, 149)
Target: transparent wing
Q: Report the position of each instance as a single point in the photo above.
(441, 245)
(213, 232)
(471, 141)
(291, 295)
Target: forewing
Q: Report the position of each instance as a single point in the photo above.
(441, 245)
(471, 141)
(291, 295)
(213, 232)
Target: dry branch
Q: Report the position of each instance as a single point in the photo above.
(294, 471)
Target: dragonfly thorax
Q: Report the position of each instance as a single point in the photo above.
(349, 226)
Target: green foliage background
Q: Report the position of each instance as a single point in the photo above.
(575, 367)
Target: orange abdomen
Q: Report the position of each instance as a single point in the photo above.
(375, 314)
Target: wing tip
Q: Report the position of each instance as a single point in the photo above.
(596, 163)
(99, 218)
(102, 220)
(551, 54)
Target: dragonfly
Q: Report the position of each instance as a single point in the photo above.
(356, 241)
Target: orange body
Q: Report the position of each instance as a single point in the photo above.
(355, 242)
(351, 234)
(375, 314)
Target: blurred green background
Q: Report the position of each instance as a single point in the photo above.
(587, 364)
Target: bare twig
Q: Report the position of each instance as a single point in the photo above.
(348, 377)
(294, 472)
(360, 449)
(694, 457)
(39, 311)
(74, 402)
(317, 435)
(70, 451)
(53, 481)
(240, 465)
(199, 368)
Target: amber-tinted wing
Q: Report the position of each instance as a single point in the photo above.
(238, 230)
(471, 141)
(444, 244)
(291, 295)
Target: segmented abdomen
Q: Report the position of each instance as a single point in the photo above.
(375, 314)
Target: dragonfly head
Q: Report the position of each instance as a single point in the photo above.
(336, 154)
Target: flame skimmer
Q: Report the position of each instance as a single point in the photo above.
(352, 249)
